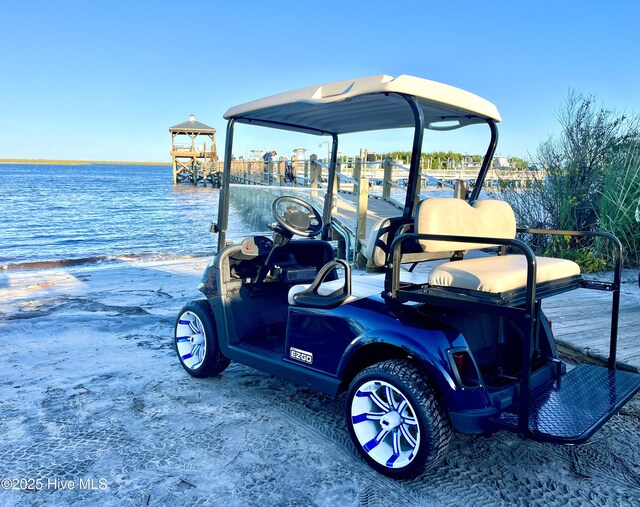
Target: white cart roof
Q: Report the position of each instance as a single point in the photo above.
(370, 103)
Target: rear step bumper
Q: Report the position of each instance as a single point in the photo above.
(570, 409)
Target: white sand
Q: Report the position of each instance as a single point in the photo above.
(90, 388)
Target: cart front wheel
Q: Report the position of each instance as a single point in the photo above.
(196, 341)
(396, 419)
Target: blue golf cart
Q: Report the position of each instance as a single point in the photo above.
(446, 334)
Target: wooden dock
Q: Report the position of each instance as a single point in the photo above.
(359, 201)
(379, 173)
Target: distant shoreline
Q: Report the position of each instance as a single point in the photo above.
(38, 161)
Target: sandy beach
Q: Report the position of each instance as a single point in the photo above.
(90, 389)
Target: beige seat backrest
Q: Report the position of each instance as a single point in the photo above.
(455, 217)
(378, 242)
(381, 237)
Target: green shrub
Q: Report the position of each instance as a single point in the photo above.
(565, 247)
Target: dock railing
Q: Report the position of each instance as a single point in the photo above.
(357, 182)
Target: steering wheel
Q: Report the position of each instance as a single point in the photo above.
(299, 217)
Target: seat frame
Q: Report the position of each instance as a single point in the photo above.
(523, 307)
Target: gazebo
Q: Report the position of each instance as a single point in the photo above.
(189, 151)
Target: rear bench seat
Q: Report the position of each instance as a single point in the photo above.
(488, 218)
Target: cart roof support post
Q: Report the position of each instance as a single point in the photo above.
(328, 198)
(416, 153)
(486, 162)
(223, 204)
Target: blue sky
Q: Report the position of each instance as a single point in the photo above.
(104, 80)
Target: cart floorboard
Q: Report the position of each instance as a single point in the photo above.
(573, 407)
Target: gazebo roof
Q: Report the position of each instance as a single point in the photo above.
(191, 125)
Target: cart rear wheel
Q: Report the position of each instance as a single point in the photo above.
(196, 341)
(397, 420)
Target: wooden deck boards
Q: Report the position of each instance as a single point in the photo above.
(581, 320)
(346, 212)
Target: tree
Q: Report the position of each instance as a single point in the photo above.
(576, 162)
(518, 163)
(439, 159)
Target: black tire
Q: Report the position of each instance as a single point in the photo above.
(422, 419)
(207, 359)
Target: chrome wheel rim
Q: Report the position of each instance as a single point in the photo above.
(385, 424)
(191, 341)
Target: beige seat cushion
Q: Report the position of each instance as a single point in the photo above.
(500, 273)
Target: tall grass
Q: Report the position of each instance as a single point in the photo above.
(620, 202)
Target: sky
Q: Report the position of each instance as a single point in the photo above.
(104, 80)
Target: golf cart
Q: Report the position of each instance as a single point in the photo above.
(464, 346)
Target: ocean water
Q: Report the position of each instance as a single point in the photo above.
(73, 214)
(92, 213)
